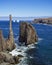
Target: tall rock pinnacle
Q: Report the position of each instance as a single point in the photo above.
(10, 40)
(10, 17)
(10, 29)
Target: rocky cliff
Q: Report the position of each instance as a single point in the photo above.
(27, 33)
(43, 20)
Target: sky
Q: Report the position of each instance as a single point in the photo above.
(26, 8)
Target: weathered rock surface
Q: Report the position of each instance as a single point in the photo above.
(27, 33)
(10, 40)
(5, 57)
(2, 42)
(8, 58)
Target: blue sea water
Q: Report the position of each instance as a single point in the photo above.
(42, 54)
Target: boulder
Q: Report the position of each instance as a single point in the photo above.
(27, 33)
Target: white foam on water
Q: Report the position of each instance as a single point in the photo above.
(45, 24)
(20, 50)
(31, 46)
(39, 39)
(16, 52)
(31, 57)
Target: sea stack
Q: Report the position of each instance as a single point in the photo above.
(27, 33)
(2, 42)
(10, 40)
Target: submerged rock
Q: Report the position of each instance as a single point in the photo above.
(27, 33)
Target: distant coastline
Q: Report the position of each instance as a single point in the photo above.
(33, 20)
(23, 18)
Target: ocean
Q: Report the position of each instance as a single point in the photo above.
(38, 54)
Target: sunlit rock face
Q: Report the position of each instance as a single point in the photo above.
(10, 40)
(2, 42)
(27, 33)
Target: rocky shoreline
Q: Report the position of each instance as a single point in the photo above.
(27, 35)
(6, 46)
(43, 20)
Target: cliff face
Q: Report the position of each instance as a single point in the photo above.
(10, 40)
(43, 20)
(27, 33)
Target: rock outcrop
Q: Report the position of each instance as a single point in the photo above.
(2, 42)
(8, 58)
(43, 20)
(8, 44)
(10, 40)
(27, 33)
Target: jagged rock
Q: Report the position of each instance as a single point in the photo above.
(27, 33)
(18, 58)
(2, 42)
(8, 58)
(10, 40)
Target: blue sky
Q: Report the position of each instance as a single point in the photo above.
(26, 8)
